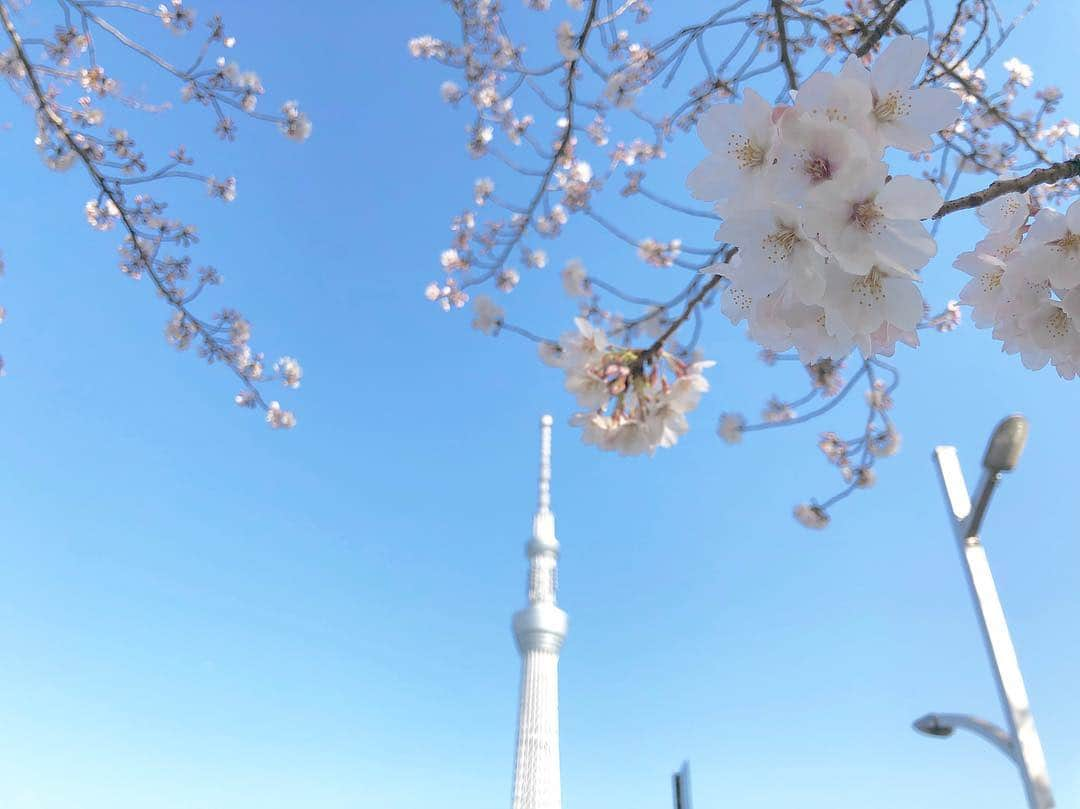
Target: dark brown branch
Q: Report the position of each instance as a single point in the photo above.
(1051, 174)
(785, 48)
(880, 30)
(691, 305)
(674, 326)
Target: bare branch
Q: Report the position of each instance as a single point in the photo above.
(880, 30)
(691, 305)
(785, 48)
(1051, 174)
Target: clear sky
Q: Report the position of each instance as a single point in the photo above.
(198, 612)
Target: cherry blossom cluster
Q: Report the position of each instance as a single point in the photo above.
(1025, 281)
(829, 242)
(75, 99)
(840, 135)
(633, 401)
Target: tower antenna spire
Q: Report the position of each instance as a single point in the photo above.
(544, 503)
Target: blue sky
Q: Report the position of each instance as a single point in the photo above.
(197, 612)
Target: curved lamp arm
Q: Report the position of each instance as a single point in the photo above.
(943, 724)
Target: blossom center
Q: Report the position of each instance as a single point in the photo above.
(866, 214)
(991, 280)
(779, 244)
(1058, 324)
(745, 152)
(892, 107)
(1004, 251)
(1067, 245)
(868, 290)
(817, 168)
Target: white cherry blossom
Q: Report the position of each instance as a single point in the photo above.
(811, 516)
(730, 428)
(817, 153)
(740, 140)
(903, 116)
(820, 223)
(487, 315)
(1006, 213)
(839, 99)
(773, 248)
(1019, 72)
(862, 304)
(815, 336)
(871, 222)
(566, 39)
(1053, 246)
(575, 279)
(984, 291)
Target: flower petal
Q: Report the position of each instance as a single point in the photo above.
(898, 64)
(907, 197)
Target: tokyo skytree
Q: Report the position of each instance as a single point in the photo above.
(540, 629)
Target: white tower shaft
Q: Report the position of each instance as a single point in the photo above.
(540, 630)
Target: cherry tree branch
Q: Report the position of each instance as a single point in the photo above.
(784, 47)
(144, 246)
(1051, 174)
(882, 28)
(560, 152)
(691, 306)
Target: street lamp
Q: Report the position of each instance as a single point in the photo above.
(1021, 741)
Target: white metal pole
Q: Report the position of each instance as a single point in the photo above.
(999, 645)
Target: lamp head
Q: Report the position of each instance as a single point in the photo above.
(1006, 444)
(932, 726)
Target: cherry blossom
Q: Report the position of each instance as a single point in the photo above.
(1019, 72)
(566, 37)
(575, 279)
(873, 223)
(1007, 213)
(861, 305)
(811, 516)
(740, 139)
(983, 293)
(1052, 245)
(817, 153)
(730, 428)
(487, 315)
(280, 419)
(290, 372)
(903, 116)
(774, 248)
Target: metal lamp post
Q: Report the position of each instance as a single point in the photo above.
(1020, 742)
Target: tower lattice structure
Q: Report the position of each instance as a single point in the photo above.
(540, 630)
